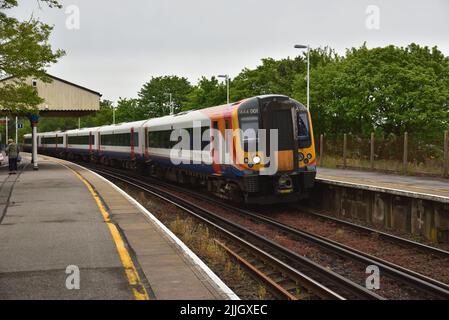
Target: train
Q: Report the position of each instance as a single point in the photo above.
(259, 150)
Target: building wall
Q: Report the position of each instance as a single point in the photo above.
(63, 96)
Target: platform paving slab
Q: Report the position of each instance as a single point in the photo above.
(437, 187)
(169, 271)
(50, 222)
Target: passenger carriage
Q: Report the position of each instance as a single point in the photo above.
(228, 165)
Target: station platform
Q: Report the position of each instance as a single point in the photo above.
(67, 233)
(435, 189)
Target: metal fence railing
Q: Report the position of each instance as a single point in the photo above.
(404, 153)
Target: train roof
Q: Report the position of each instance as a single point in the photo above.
(82, 130)
(122, 126)
(178, 118)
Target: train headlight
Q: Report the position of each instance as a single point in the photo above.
(301, 156)
(309, 156)
(256, 160)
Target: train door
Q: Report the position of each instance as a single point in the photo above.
(132, 144)
(216, 141)
(90, 142)
(98, 142)
(146, 142)
(229, 141)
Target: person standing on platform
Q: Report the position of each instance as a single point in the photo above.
(12, 150)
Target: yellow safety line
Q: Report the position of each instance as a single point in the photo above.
(138, 289)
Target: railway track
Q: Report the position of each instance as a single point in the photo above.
(411, 278)
(387, 236)
(421, 282)
(434, 288)
(293, 268)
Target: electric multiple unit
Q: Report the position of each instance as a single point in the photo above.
(221, 148)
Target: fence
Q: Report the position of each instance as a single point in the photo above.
(399, 154)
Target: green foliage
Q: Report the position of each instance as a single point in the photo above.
(389, 90)
(100, 118)
(24, 52)
(130, 110)
(155, 94)
(207, 93)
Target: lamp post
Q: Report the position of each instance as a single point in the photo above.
(300, 46)
(113, 114)
(171, 107)
(227, 85)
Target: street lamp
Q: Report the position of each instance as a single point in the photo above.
(227, 85)
(170, 105)
(113, 113)
(300, 46)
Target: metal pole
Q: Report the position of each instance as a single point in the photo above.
(405, 159)
(35, 167)
(79, 123)
(446, 154)
(7, 133)
(227, 89)
(226, 77)
(172, 110)
(113, 114)
(372, 151)
(16, 130)
(308, 77)
(345, 146)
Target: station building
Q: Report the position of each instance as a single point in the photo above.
(62, 98)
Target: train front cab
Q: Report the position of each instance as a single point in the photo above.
(296, 158)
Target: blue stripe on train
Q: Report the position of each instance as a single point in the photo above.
(227, 170)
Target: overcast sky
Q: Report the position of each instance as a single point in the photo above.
(121, 44)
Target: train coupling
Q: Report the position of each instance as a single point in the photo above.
(284, 184)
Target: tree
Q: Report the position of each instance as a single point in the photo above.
(207, 93)
(272, 76)
(100, 118)
(24, 52)
(388, 90)
(130, 110)
(155, 94)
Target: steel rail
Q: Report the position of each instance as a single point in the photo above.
(338, 282)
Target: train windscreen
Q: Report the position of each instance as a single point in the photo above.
(304, 130)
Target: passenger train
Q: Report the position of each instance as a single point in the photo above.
(149, 146)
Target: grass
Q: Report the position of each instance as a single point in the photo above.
(198, 238)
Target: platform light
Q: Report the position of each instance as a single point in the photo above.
(226, 77)
(301, 46)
